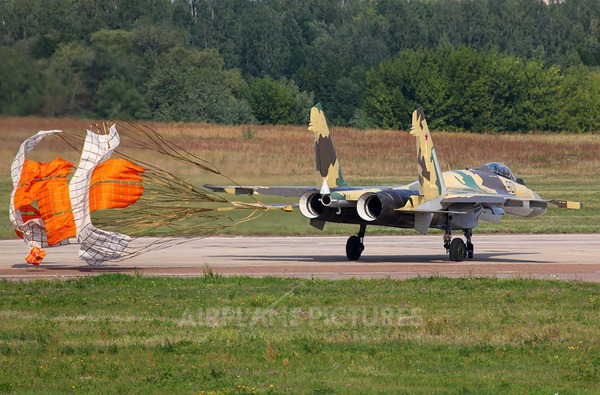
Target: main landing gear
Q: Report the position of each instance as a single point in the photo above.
(354, 245)
(457, 249)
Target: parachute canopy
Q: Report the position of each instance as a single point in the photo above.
(63, 208)
(52, 202)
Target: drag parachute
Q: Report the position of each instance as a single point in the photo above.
(63, 213)
(110, 197)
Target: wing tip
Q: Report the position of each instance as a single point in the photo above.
(567, 204)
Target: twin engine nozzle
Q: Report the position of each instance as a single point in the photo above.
(369, 207)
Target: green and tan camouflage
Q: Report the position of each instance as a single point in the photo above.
(329, 173)
(431, 183)
(452, 200)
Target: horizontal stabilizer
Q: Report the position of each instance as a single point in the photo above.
(286, 191)
(258, 206)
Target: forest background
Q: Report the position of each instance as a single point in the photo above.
(477, 65)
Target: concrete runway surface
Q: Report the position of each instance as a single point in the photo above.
(558, 256)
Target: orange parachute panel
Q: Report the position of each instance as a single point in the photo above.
(47, 183)
(116, 183)
(56, 210)
(34, 177)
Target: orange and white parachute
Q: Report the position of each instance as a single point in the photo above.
(51, 205)
(63, 213)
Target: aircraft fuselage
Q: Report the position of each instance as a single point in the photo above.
(513, 198)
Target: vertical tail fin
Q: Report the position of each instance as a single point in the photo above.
(431, 181)
(329, 173)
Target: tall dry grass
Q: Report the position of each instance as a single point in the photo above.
(558, 166)
(253, 154)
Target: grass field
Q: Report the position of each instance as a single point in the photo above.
(557, 166)
(132, 334)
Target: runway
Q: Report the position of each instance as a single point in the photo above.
(559, 257)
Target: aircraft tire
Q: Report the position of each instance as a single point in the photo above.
(354, 248)
(458, 250)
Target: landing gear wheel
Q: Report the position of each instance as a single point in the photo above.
(458, 250)
(354, 247)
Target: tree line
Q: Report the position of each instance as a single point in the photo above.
(479, 65)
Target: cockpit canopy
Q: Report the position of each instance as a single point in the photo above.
(499, 169)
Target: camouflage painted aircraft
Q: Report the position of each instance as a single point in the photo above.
(452, 200)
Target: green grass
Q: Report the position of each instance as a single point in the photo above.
(132, 334)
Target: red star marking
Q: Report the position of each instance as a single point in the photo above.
(426, 137)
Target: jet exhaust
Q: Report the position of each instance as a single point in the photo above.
(310, 204)
(372, 206)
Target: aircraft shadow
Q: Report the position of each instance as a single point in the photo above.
(430, 259)
(437, 259)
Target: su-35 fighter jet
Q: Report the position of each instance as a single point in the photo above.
(452, 200)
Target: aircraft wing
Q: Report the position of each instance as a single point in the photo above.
(474, 198)
(484, 198)
(505, 200)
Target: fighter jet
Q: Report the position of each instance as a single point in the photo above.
(453, 201)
